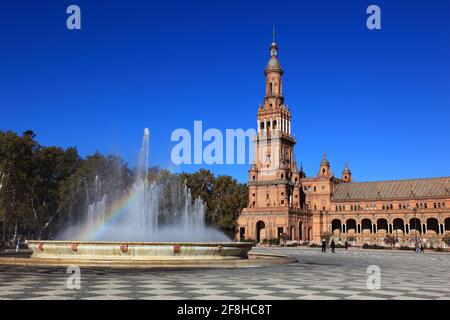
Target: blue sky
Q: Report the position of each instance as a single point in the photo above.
(377, 99)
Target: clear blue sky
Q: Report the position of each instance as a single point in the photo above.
(377, 99)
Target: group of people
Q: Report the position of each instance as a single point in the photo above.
(420, 248)
(332, 246)
(15, 242)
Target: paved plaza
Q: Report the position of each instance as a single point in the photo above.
(343, 275)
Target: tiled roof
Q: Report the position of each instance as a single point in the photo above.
(413, 188)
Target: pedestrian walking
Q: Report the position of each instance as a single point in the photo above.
(422, 249)
(17, 244)
(324, 246)
(346, 245)
(333, 246)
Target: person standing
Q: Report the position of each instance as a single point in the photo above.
(422, 249)
(17, 244)
(346, 245)
(324, 246)
(333, 246)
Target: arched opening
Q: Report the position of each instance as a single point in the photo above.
(261, 125)
(447, 225)
(260, 231)
(382, 226)
(271, 88)
(292, 233)
(399, 225)
(414, 224)
(366, 226)
(336, 226)
(351, 226)
(274, 124)
(300, 231)
(432, 226)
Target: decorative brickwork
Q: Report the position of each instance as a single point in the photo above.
(283, 200)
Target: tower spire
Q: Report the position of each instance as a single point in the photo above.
(274, 64)
(273, 46)
(273, 34)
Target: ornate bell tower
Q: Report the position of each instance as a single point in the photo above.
(274, 181)
(274, 143)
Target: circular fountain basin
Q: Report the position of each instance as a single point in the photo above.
(138, 251)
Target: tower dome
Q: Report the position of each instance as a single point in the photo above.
(325, 170)
(274, 64)
(346, 174)
(325, 161)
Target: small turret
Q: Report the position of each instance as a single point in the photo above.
(302, 171)
(346, 174)
(325, 170)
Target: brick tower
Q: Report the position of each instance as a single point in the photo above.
(274, 181)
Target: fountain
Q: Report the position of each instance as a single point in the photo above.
(137, 225)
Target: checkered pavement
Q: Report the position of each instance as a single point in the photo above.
(342, 275)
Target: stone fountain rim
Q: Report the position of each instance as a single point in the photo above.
(255, 260)
(160, 243)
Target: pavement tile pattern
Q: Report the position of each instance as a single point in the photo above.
(317, 276)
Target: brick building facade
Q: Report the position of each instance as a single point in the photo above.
(283, 200)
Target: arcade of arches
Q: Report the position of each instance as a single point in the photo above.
(373, 230)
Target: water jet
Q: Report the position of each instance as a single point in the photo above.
(139, 224)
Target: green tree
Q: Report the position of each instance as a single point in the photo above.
(51, 167)
(95, 176)
(446, 239)
(16, 163)
(224, 196)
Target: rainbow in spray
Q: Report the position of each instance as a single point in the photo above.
(114, 213)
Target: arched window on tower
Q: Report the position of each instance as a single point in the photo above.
(271, 89)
